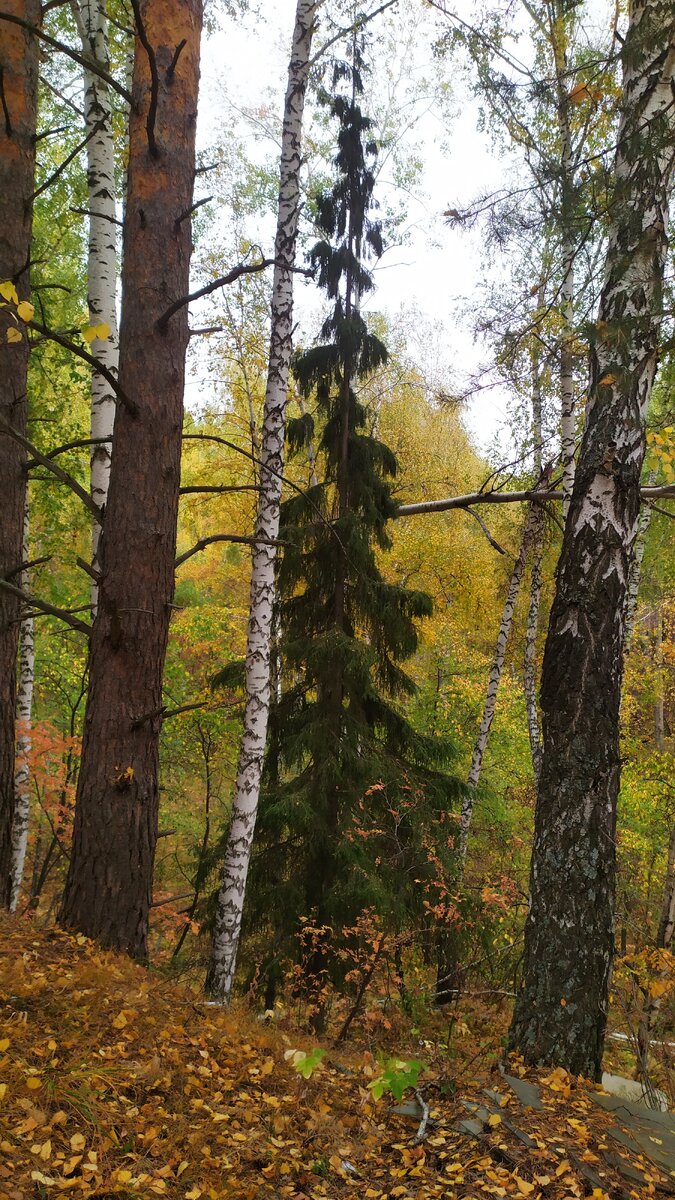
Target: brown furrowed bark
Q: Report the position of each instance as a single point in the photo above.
(561, 1010)
(109, 887)
(18, 109)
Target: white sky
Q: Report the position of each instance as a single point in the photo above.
(439, 270)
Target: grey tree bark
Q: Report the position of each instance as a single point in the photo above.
(561, 1010)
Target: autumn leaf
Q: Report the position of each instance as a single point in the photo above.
(25, 310)
(9, 292)
(91, 332)
(13, 336)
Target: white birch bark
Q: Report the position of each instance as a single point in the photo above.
(530, 654)
(492, 689)
(247, 789)
(568, 248)
(90, 18)
(531, 629)
(24, 706)
(636, 569)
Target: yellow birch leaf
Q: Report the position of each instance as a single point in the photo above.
(4, 1045)
(608, 379)
(91, 332)
(494, 1120)
(13, 335)
(33, 1083)
(25, 310)
(523, 1186)
(9, 292)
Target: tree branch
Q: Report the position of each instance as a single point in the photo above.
(66, 162)
(79, 352)
(85, 60)
(666, 491)
(222, 281)
(43, 606)
(495, 545)
(225, 537)
(58, 472)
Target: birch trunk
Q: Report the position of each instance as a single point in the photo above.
(18, 85)
(249, 772)
(24, 708)
(568, 246)
(90, 18)
(492, 690)
(561, 1010)
(636, 568)
(530, 654)
(532, 627)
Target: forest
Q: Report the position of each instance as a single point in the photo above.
(337, 597)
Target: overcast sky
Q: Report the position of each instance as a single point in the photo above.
(439, 271)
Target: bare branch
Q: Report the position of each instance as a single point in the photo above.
(667, 491)
(222, 281)
(66, 162)
(225, 537)
(43, 606)
(58, 472)
(495, 545)
(79, 352)
(85, 60)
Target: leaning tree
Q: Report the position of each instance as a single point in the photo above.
(561, 1010)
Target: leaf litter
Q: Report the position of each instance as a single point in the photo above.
(114, 1082)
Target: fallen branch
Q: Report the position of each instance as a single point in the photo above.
(422, 1130)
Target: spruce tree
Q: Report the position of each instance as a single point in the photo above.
(340, 743)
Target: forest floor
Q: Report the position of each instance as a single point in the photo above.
(115, 1082)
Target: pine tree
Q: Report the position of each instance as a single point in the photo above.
(340, 742)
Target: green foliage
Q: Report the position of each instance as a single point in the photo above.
(397, 1076)
(305, 1062)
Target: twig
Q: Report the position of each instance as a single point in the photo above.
(87, 567)
(174, 61)
(66, 162)
(28, 566)
(422, 1130)
(495, 545)
(193, 208)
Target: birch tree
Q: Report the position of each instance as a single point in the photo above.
(108, 891)
(24, 709)
(259, 637)
(18, 94)
(561, 1010)
(91, 21)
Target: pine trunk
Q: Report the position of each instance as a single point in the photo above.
(24, 709)
(90, 17)
(561, 1010)
(247, 789)
(109, 886)
(18, 86)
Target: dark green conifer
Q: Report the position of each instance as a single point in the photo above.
(342, 750)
